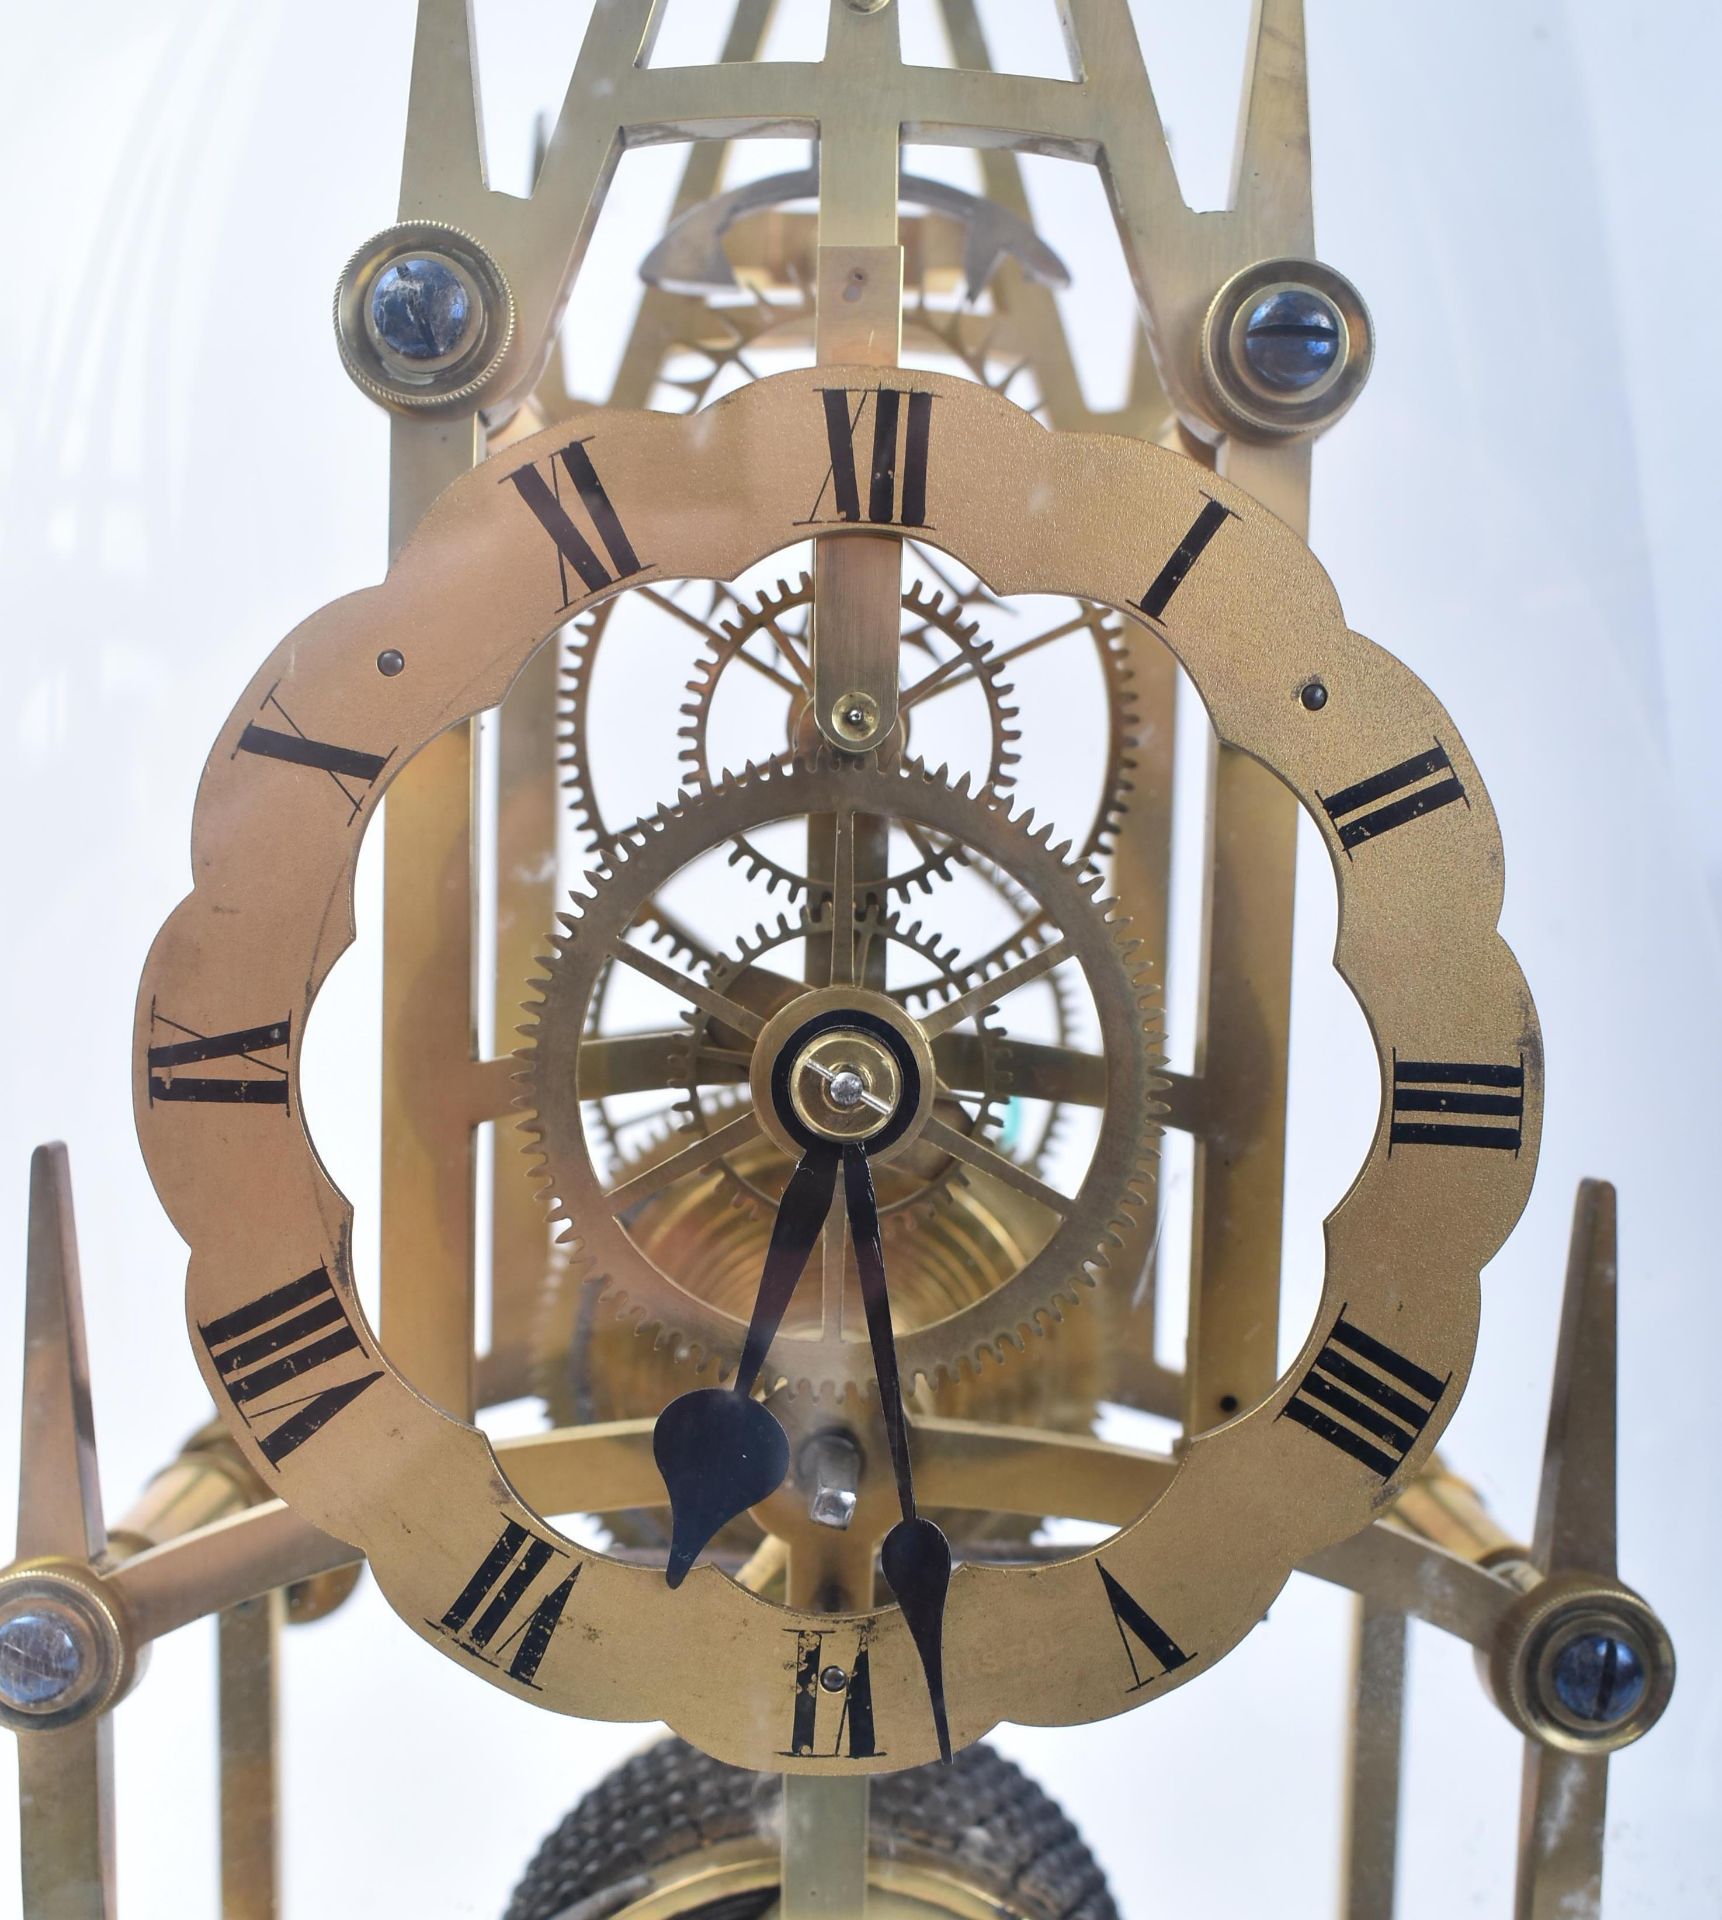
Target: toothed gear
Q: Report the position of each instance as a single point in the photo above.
(1115, 1189)
(901, 1184)
(785, 613)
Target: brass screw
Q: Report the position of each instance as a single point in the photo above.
(855, 717)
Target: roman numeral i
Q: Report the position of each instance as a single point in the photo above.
(494, 1596)
(896, 490)
(573, 549)
(1365, 1399)
(266, 1350)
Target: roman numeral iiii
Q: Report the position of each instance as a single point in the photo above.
(1365, 1399)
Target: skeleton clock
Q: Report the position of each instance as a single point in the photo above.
(839, 796)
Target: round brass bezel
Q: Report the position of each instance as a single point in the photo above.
(1251, 407)
(478, 588)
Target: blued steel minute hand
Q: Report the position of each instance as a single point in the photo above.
(916, 1556)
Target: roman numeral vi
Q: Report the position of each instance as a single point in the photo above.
(818, 1677)
(266, 1350)
(1365, 1399)
(494, 1596)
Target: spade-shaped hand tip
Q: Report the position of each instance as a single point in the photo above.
(916, 1561)
(719, 1453)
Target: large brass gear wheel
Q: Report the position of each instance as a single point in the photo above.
(1093, 937)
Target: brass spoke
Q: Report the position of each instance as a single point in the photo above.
(975, 1153)
(990, 992)
(698, 1154)
(685, 987)
(958, 670)
(843, 899)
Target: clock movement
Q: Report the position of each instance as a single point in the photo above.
(787, 765)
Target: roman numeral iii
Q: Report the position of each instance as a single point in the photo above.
(896, 485)
(551, 510)
(1140, 1633)
(819, 1678)
(1406, 792)
(1451, 1103)
(257, 1081)
(1365, 1399)
(269, 1351)
(496, 1595)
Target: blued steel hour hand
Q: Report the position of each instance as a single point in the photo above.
(719, 1450)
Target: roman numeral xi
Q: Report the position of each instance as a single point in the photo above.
(551, 510)
(271, 1356)
(1472, 1104)
(495, 1596)
(1365, 1399)
(896, 488)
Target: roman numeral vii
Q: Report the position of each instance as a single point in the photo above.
(896, 485)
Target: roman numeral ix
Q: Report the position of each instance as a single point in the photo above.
(268, 1087)
(1365, 1399)
(1488, 1102)
(345, 766)
(1138, 1629)
(265, 1352)
(1184, 556)
(1406, 792)
(816, 1678)
(495, 1595)
(573, 549)
(896, 491)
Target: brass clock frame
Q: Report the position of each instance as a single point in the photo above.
(476, 592)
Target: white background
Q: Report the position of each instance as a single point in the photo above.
(1520, 507)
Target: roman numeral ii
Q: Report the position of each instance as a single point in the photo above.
(1365, 1399)
(269, 1350)
(1406, 792)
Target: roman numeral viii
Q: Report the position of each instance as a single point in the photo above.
(573, 549)
(896, 487)
(269, 1351)
(1365, 1399)
(1478, 1105)
(497, 1594)
(266, 1086)
(820, 1678)
(1406, 792)
(1139, 1631)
